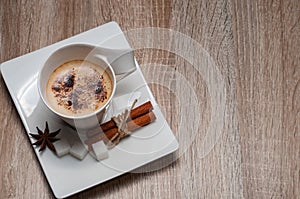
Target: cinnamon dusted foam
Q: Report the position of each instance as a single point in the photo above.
(78, 88)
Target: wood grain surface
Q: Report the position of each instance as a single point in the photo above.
(255, 47)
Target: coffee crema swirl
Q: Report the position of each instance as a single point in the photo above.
(78, 88)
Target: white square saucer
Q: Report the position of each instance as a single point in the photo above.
(67, 175)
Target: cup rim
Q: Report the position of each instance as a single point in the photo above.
(85, 116)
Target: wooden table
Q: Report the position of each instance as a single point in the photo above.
(255, 46)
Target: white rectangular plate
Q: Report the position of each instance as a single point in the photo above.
(67, 175)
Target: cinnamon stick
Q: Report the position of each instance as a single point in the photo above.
(132, 126)
(135, 113)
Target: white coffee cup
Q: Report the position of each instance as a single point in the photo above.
(118, 63)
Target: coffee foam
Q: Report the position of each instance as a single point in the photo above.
(78, 88)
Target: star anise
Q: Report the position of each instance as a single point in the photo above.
(45, 138)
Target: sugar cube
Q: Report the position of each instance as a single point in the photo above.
(100, 150)
(78, 150)
(62, 147)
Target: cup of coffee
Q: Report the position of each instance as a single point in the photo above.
(78, 81)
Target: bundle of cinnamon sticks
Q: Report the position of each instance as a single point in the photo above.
(139, 117)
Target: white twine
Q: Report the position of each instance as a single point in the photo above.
(121, 122)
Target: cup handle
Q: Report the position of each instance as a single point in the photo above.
(121, 60)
